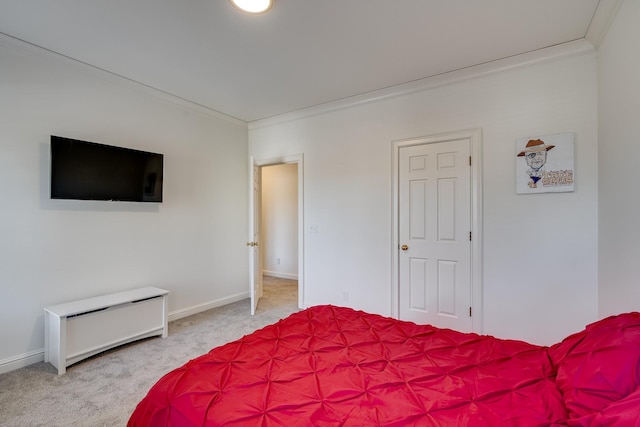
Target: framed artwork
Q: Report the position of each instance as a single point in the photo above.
(544, 164)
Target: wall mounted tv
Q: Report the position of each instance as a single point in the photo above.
(84, 170)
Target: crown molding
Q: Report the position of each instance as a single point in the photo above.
(601, 21)
(576, 47)
(21, 47)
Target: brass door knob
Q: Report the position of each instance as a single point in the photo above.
(404, 247)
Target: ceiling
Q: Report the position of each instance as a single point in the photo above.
(302, 53)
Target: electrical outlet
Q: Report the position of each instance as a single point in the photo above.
(345, 296)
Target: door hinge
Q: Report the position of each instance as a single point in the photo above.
(469, 236)
(469, 311)
(469, 160)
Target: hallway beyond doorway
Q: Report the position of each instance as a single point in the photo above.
(278, 292)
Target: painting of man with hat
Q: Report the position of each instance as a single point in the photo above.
(545, 171)
(535, 153)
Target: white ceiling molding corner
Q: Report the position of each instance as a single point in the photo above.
(602, 19)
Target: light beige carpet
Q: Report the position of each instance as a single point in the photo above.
(104, 390)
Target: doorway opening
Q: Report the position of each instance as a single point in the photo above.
(277, 225)
(279, 236)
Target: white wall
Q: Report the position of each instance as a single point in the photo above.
(540, 251)
(619, 152)
(193, 243)
(52, 251)
(279, 230)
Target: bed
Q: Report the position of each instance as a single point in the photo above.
(335, 366)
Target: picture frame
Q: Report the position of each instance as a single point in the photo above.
(545, 164)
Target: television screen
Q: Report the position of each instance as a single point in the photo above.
(89, 171)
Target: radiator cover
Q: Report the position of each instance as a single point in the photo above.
(80, 329)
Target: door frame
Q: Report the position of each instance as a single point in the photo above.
(282, 160)
(475, 139)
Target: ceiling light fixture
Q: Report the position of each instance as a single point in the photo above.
(253, 6)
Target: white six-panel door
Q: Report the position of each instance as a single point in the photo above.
(434, 234)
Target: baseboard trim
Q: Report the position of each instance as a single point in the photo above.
(36, 356)
(21, 360)
(189, 311)
(280, 275)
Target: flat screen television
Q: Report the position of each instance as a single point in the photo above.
(85, 170)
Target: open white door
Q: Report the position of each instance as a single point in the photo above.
(255, 202)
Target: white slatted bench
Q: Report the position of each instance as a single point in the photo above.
(80, 329)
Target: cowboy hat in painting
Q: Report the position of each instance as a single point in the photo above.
(535, 145)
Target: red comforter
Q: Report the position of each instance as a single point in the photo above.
(332, 366)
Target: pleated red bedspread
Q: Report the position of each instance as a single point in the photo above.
(332, 366)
